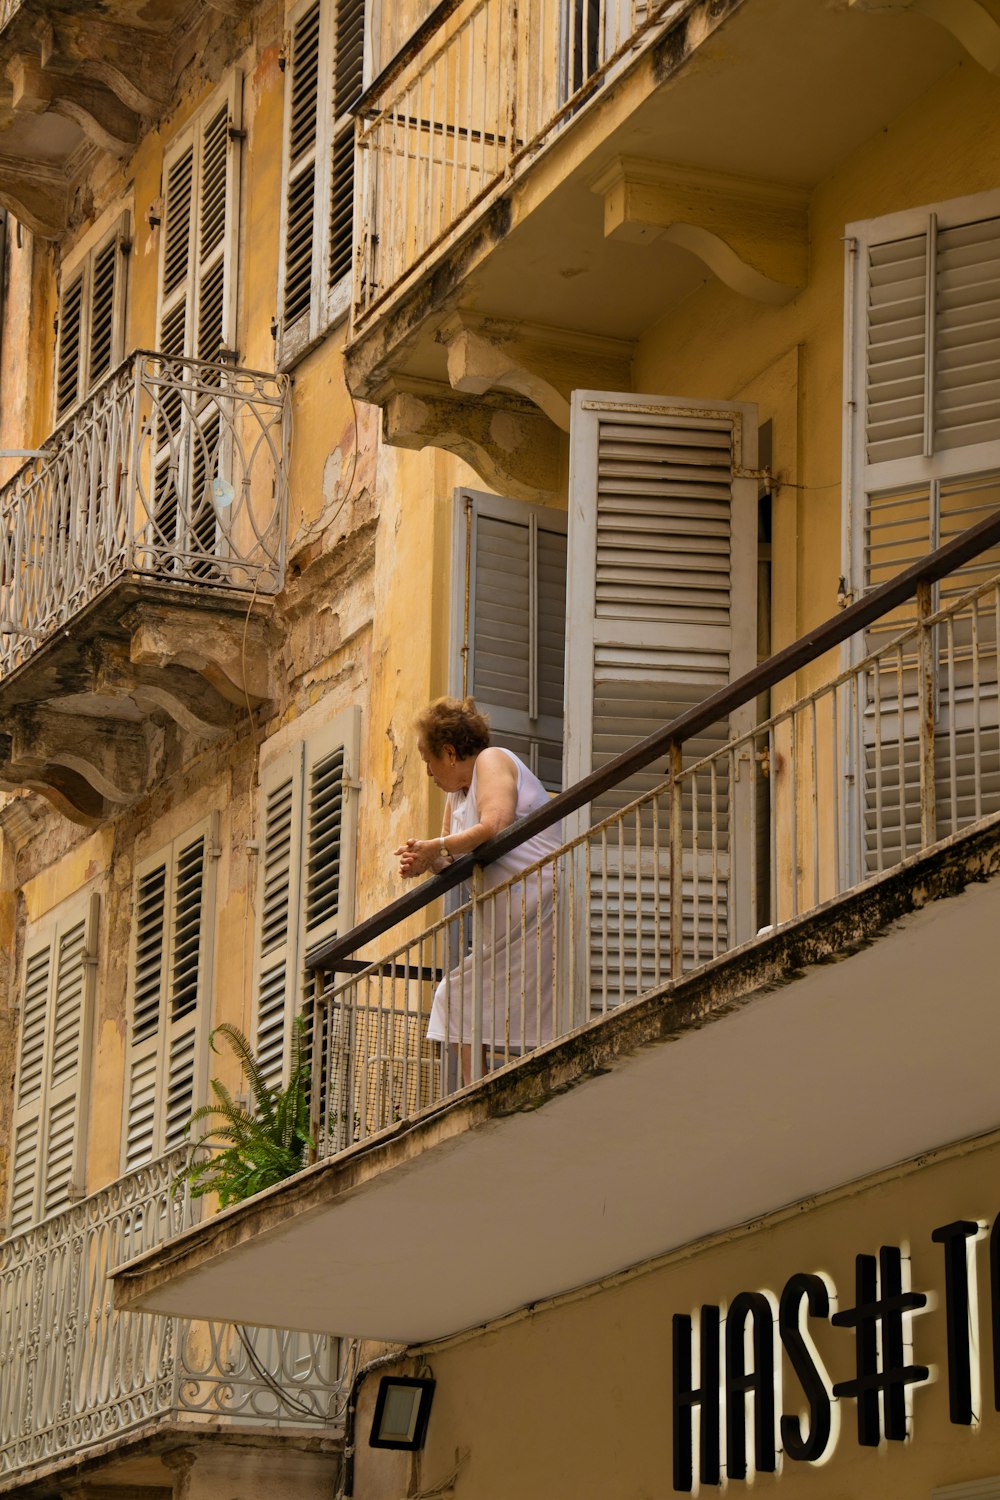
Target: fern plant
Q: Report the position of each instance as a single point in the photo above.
(258, 1146)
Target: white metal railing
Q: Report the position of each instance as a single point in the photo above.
(460, 112)
(664, 870)
(171, 469)
(74, 1372)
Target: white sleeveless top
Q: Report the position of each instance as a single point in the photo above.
(530, 795)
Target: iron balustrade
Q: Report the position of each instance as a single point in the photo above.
(672, 858)
(172, 469)
(75, 1373)
(479, 90)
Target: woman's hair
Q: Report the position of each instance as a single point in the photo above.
(455, 722)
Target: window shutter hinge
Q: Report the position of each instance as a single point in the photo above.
(124, 247)
(740, 473)
(351, 785)
(235, 134)
(213, 844)
(845, 596)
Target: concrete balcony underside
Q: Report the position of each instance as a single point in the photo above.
(839, 1045)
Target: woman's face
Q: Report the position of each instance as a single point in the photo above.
(445, 769)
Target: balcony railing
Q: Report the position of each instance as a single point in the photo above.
(74, 1373)
(481, 88)
(172, 469)
(672, 859)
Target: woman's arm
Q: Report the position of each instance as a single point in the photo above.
(496, 801)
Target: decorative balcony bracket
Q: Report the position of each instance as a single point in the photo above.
(182, 694)
(100, 114)
(968, 21)
(137, 69)
(544, 365)
(510, 444)
(233, 654)
(36, 194)
(89, 767)
(752, 235)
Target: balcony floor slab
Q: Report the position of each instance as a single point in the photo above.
(839, 1045)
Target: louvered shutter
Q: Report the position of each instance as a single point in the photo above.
(49, 1134)
(509, 613)
(197, 321)
(278, 907)
(69, 376)
(171, 969)
(348, 73)
(923, 463)
(323, 78)
(306, 82)
(91, 320)
(661, 611)
(306, 883)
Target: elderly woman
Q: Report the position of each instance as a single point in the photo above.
(488, 788)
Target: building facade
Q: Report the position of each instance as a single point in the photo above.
(590, 359)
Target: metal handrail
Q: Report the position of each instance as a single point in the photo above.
(76, 1373)
(171, 468)
(328, 957)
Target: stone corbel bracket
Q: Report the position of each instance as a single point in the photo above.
(94, 109)
(752, 235)
(136, 68)
(511, 445)
(88, 767)
(182, 695)
(969, 22)
(235, 654)
(543, 365)
(37, 195)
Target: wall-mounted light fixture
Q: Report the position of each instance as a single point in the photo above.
(402, 1410)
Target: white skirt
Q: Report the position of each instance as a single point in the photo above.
(517, 975)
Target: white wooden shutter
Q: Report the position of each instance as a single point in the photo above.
(91, 320)
(278, 906)
(197, 315)
(307, 873)
(661, 612)
(509, 623)
(323, 77)
(348, 75)
(923, 463)
(50, 1102)
(170, 982)
(308, 81)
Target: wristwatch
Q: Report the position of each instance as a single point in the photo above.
(446, 853)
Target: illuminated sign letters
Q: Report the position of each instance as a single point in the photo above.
(743, 1360)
